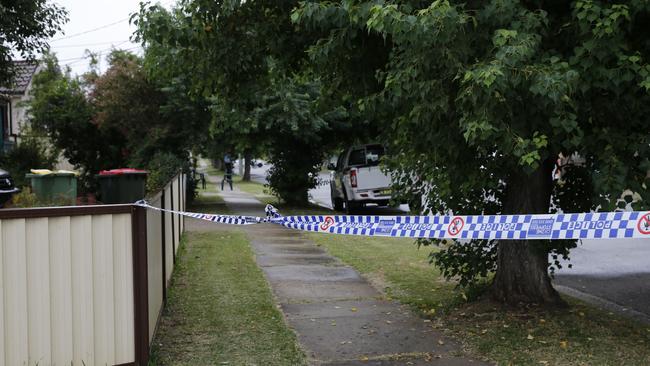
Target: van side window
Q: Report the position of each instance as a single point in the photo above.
(357, 157)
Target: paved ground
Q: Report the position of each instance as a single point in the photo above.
(339, 318)
(614, 274)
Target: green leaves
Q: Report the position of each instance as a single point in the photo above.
(25, 27)
(468, 98)
(503, 36)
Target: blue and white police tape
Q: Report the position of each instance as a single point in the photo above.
(222, 219)
(599, 225)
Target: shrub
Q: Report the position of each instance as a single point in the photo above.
(32, 152)
(23, 199)
(162, 167)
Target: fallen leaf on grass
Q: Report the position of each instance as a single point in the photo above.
(441, 342)
(564, 344)
(530, 337)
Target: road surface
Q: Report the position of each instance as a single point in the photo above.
(614, 274)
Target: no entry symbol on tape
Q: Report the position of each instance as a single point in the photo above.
(455, 226)
(644, 224)
(329, 221)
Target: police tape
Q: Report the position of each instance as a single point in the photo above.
(221, 219)
(596, 225)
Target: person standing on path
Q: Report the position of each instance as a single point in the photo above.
(227, 177)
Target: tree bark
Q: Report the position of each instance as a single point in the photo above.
(522, 267)
(217, 164)
(247, 166)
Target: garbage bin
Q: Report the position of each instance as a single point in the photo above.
(122, 185)
(58, 187)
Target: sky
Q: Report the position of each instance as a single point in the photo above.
(96, 25)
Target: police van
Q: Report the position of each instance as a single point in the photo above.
(357, 179)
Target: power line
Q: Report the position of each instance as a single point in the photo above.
(90, 30)
(89, 44)
(76, 59)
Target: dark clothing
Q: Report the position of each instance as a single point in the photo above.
(227, 177)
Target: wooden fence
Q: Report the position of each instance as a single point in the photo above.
(85, 285)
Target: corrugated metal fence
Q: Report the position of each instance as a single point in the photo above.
(85, 285)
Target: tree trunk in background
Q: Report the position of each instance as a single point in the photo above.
(247, 166)
(217, 164)
(522, 271)
(298, 198)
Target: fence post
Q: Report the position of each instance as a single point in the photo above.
(181, 202)
(140, 285)
(171, 196)
(163, 244)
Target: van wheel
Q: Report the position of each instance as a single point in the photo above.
(351, 207)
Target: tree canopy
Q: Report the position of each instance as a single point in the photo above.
(481, 99)
(260, 90)
(119, 118)
(25, 26)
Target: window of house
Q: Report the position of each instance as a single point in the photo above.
(4, 122)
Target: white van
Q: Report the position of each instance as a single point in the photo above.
(357, 179)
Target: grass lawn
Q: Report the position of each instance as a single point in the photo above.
(580, 335)
(256, 189)
(220, 310)
(211, 204)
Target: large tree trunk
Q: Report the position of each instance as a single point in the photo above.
(522, 267)
(247, 166)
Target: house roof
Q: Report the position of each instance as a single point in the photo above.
(23, 73)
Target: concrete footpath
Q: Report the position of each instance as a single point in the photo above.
(338, 317)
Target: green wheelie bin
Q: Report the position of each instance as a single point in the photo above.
(59, 187)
